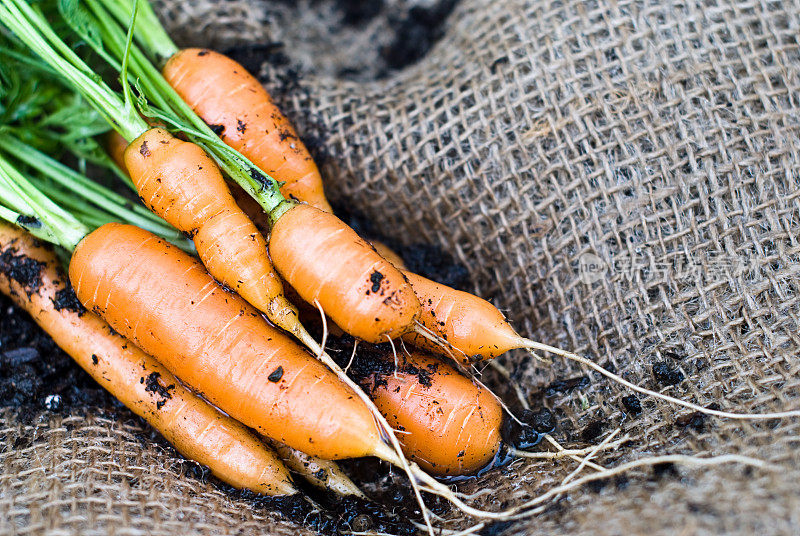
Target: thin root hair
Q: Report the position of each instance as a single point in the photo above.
(671, 399)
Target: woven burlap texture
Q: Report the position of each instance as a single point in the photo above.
(622, 178)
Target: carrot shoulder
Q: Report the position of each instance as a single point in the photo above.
(238, 107)
(166, 303)
(198, 430)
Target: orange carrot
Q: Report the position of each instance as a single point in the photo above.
(197, 430)
(168, 305)
(308, 313)
(115, 146)
(328, 263)
(472, 327)
(446, 423)
(239, 109)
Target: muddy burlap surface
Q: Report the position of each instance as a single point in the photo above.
(622, 178)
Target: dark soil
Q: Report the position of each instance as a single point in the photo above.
(341, 515)
(36, 375)
(411, 28)
(416, 32)
(21, 269)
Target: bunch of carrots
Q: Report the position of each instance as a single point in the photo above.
(202, 278)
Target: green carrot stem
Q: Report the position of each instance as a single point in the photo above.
(62, 228)
(33, 29)
(149, 31)
(83, 211)
(80, 185)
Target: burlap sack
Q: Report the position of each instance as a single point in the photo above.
(621, 178)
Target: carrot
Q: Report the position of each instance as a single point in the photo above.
(218, 344)
(229, 100)
(360, 290)
(308, 313)
(322, 474)
(447, 424)
(226, 96)
(197, 430)
(469, 328)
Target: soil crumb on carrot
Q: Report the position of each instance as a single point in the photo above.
(22, 269)
(65, 300)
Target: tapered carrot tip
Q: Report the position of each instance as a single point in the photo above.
(235, 104)
(449, 425)
(328, 263)
(470, 328)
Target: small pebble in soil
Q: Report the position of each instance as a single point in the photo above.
(53, 402)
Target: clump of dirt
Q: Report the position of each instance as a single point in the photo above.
(66, 299)
(22, 269)
(666, 374)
